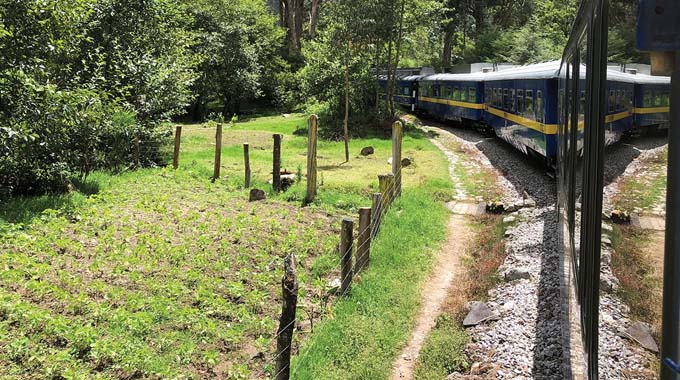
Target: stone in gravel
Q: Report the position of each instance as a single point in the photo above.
(389, 161)
(257, 195)
(495, 207)
(606, 240)
(620, 217)
(642, 334)
(608, 283)
(406, 162)
(529, 202)
(478, 314)
(509, 219)
(606, 227)
(516, 274)
(334, 285)
(367, 151)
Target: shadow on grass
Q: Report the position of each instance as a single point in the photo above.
(23, 209)
(26, 208)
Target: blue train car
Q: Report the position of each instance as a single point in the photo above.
(652, 101)
(457, 97)
(405, 90)
(620, 109)
(521, 107)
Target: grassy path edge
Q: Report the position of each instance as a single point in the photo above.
(369, 327)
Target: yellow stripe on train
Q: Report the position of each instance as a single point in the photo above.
(548, 129)
(648, 110)
(475, 106)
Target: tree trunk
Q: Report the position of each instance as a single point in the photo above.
(346, 122)
(283, 16)
(388, 87)
(400, 37)
(377, 73)
(293, 14)
(478, 15)
(314, 18)
(448, 45)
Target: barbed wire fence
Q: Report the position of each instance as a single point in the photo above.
(350, 267)
(369, 226)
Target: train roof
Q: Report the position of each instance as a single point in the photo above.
(544, 70)
(471, 77)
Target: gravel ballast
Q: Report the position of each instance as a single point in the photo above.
(524, 338)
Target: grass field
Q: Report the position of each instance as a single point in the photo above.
(158, 273)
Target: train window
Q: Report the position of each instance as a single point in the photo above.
(539, 106)
(505, 99)
(648, 98)
(456, 93)
(436, 91)
(666, 99)
(487, 96)
(463, 94)
(494, 100)
(472, 97)
(611, 100)
(529, 110)
(520, 101)
(657, 99)
(630, 100)
(512, 100)
(619, 100)
(406, 90)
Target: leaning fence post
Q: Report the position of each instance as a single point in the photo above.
(246, 162)
(376, 208)
(276, 181)
(218, 152)
(175, 155)
(397, 134)
(384, 186)
(289, 285)
(390, 189)
(364, 239)
(346, 272)
(311, 159)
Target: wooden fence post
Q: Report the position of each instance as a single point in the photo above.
(276, 182)
(364, 239)
(346, 247)
(311, 158)
(384, 186)
(137, 153)
(397, 135)
(246, 161)
(390, 189)
(218, 152)
(289, 285)
(178, 137)
(376, 213)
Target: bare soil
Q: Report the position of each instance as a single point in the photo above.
(434, 294)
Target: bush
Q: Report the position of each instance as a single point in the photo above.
(48, 136)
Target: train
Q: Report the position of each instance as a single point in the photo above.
(521, 104)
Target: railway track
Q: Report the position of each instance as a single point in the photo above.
(526, 338)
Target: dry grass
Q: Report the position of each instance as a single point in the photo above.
(485, 255)
(641, 284)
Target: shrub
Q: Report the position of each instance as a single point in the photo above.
(48, 136)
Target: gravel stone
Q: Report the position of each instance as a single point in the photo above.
(525, 340)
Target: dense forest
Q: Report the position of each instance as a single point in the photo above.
(81, 79)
